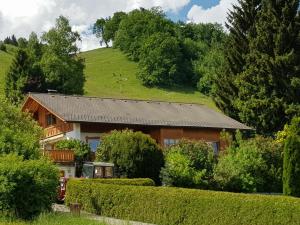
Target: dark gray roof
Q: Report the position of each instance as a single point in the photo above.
(137, 112)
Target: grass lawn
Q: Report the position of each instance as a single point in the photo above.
(5, 60)
(102, 64)
(54, 219)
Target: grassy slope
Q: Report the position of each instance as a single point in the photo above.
(5, 60)
(101, 64)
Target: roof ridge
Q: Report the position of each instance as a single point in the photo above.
(121, 99)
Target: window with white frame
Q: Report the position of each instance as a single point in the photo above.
(169, 141)
(215, 145)
(93, 142)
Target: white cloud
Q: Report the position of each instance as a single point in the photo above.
(21, 17)
(215, 14)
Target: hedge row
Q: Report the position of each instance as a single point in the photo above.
(116, 181)
(171, 206)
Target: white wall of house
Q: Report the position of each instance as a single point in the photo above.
(75, 133)
(69, 170)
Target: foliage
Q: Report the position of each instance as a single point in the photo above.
(116, 181)
(18, 132)
(135, 155)
(81, 151)
(27, 187)
(98, 29)
(2, 46)
(291, 163)
(167, 205)
(253, 165)
(11, 40)
(188, 164)
(25, 73)
(160, 59)
(137, 26)
(62, 67)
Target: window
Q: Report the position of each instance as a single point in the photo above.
(169, 142)
(50, 119)
(215, 145)
(93, 143)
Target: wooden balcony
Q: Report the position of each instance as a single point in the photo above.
(57, 129)
(60, 156)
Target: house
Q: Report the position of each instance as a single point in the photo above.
(89, 118)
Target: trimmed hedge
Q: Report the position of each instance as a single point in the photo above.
(116, 181)
(172, 206)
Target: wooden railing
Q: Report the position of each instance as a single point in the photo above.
(62, 156)
(57, 129)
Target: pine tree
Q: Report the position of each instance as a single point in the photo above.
(268, 95)
(291, 163)
(241, 25)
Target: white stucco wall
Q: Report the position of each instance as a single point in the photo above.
(69, 170)
(75, 133)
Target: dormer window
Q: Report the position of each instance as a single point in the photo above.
(50, 119)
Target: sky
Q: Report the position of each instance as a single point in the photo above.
(21, 17)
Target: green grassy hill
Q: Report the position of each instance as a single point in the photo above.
(110, 74)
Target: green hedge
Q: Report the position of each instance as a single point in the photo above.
(171, 206)
(116, 181)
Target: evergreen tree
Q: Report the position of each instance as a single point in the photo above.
(241, 25)
(269, 86)
(291, 163)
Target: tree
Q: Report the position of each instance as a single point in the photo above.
(112, 25)
(160, 59)
(62, 67)
(137, 26)
(291, 163)
(188, 164)
(269, 86)
(135, 155)
(25, 73)
(18, 132)
(241, 25)
(98, 29)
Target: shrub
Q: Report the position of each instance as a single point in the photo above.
(19, 133)
(168, 205)
(135, 155)
(291, 165)
(253, 165)
(27, 187)
(188, 164)
(116, 181)
(2, 46)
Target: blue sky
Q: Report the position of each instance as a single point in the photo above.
(182, 14)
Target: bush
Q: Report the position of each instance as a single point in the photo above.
(253, 165)
(2, 46)
(27, 187)
(116, 181)
(189, 164)
(291, 165)
(19, 133)
(167, 205)
(135, 155)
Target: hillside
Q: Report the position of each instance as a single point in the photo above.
(110, 74)
(102, 64)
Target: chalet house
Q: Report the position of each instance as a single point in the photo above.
(89, 118)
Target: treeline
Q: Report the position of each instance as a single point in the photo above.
(252, 71)
(168, 53)
(49, 62)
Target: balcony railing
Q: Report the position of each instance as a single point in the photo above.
(60, 156)
(57, 129)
